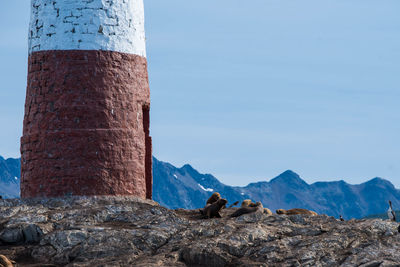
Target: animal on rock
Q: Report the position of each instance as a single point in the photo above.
(214, 197)
(341, 218)
(212, 210)
(296, 211)
(253, 207)
(5, 262)
(391, 213)
(249, 203)
(267, 211)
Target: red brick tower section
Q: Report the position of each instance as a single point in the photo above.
(86, 124)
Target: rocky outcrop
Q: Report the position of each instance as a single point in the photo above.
(121, 231)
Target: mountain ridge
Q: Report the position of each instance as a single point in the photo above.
(185, 187)
(288, 190)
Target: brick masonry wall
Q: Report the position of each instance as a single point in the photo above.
(86, 125)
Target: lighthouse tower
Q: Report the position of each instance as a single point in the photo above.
(86, 124)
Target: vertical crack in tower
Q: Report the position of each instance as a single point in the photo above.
(86, 124)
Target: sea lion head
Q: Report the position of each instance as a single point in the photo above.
(246, 203)
(280, 211)
(214, 197)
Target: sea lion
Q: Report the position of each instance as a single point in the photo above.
(248, 209)
(5, 262)
(214, 197)
(296, 211)
(212, 210)
(249, 203)
(267, 211)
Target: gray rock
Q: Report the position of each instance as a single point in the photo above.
(124, 231)
(32, 233)
(12, 235)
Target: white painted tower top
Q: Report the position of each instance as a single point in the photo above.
(110, 25)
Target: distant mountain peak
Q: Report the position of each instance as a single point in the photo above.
(380, 181)
(289, 173)
(188, 167)
(190, 170)
(288, 177)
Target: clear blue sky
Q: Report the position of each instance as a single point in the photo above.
(248, 89)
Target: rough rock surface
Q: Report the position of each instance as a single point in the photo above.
(122, 231)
